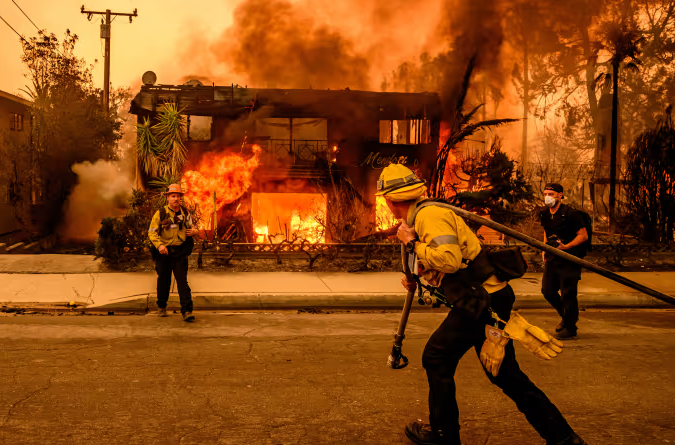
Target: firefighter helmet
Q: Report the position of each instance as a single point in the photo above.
(397, 178)
(174, 188)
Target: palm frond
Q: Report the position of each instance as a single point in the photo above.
(473, 128)
(159, 185)
(146, 147)
(170, 131)
(467, 117)
(466, 82)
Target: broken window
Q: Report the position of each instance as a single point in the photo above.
(199, 128)
(302, 139)
(16, 122)
(410, 131)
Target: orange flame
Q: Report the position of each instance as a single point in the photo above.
(299, 214)
(384, 219)
(228, 174)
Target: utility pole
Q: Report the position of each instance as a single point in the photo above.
(105, 34)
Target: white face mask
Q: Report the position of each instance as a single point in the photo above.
(550, 201)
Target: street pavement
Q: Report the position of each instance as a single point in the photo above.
(297, 378)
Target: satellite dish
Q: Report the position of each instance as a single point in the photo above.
(149, 78)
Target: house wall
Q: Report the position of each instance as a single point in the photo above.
(10, 141)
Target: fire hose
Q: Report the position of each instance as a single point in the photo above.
(396, 355)
(396, 359)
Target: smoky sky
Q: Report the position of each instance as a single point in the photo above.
(279, 44)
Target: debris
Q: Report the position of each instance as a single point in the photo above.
(310, 310)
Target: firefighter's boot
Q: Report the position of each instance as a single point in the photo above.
(423, 434)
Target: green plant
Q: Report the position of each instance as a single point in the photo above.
(128, 233)
(161, 147)
(146, 144)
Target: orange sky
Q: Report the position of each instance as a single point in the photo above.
(168, 35)
(149, 43)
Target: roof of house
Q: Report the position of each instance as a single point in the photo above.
(15, 98)
(235, 101)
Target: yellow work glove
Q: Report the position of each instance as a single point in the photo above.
(492, 353)
(431, 276)
(534, 339)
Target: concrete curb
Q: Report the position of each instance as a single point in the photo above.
(261, 301)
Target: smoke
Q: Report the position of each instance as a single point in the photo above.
(393, 45)
(103, 189)
(279, 44)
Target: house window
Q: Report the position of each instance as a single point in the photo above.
(16, 123)
(410, 132)
(199, 128)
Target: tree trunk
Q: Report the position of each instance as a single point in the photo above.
(526, 100)
(615, 140)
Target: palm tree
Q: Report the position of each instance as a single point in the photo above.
(146, 146)
(170, 131)
(161, 147)
(624, 45)
(461, 128)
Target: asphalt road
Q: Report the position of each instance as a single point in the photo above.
(288, 378)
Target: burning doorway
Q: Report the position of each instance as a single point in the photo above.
(280, 216)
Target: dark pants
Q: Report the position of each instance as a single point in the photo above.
(458, 333)
(178, 264)
(559, 287)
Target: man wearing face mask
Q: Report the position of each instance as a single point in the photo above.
(564, 229)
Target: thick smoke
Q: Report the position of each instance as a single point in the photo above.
(474, 30)
(103, 189)
(278, 44)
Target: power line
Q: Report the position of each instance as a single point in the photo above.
(36, 27)
(39, 30)
(20, 36)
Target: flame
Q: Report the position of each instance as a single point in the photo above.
(383, 216)
(307, 228)
(228, 174)
(299, 214)
(262, 233)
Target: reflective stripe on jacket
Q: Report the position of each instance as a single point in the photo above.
(445, 240)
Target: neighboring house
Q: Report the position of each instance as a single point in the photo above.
(306, 135)
(15, 132)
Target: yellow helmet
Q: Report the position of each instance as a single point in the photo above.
(397, 178)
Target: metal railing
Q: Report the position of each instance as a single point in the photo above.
(296, 151)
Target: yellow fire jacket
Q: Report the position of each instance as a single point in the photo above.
(445, 240)
(171, 236)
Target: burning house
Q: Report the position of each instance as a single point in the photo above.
(277, 158)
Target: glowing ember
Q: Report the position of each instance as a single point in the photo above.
(383, 216)
(228, 174)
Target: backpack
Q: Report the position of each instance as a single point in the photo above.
(588, 223)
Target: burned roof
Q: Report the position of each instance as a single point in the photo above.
(234, 101)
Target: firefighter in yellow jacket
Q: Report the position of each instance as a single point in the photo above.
(450, 254)
(171, 234)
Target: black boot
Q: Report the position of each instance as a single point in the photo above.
(422, 434)
(566, 334)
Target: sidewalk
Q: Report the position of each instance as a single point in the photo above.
(271, 290)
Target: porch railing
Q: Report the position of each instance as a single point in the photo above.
(296, 151)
